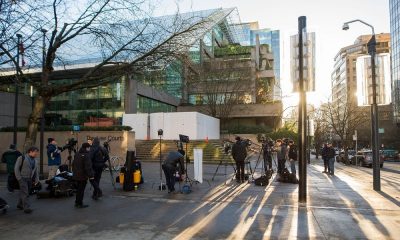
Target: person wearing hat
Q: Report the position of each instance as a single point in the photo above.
(9, 157)
(54, 157)
(82, 171)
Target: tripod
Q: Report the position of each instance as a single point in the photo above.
(187, 160)
(225, 164)
(108, 148)
(262, 151)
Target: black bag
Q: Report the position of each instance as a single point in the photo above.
(262, 181)
(12, 180)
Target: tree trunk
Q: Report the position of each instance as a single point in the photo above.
(34, 121)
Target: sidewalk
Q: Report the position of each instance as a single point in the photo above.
(340, 207)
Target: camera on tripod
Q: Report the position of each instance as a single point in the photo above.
(247, 142)
(71, 144)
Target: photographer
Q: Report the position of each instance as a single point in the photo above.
(267, 154)
(82, 167)
(54, 157)
(239, 154)
(282, 153)
(173, 162)
(99, 156)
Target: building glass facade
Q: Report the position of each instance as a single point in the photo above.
(394, 6)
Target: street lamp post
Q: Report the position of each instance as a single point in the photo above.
(19, 36)
(42, 120)
(374, 107)
(302, 117)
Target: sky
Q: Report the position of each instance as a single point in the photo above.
(324, 17)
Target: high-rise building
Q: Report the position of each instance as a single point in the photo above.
(394, 6)
(351, 83)
(344, 75)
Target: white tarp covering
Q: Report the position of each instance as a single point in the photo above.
(193, 124)
(198, 164)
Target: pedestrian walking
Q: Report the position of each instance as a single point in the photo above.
(331, 158)
(10, 157)
(325, 158)
(82, 169)
(239, 154)
(26, 172)
(99, 156)
(54, 157)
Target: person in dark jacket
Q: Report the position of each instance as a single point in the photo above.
(99, 156)
(330, 154)
(9, 157)
(173, 162)
(82, 170)
(325, 158)
(239, 154)
(267, 154)
(292, 156)
(282, 154)
(54, 157)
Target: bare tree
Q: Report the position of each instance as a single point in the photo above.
(343, 118)
(219, 86)
(116, 37)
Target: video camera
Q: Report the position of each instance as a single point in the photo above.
(247, 142)
(71, 144)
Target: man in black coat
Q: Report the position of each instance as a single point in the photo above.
(99, 156)
(82, 169)
(173, 162)
(239, 154)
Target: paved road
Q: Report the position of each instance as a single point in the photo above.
(340, 207)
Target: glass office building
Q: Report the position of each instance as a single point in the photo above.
(169, 78)
(394, 6)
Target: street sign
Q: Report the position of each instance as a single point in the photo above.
(381, 130)
(354, 137)
(76, 128)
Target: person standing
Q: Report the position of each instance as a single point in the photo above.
(282, 154)
(325, 158)
(330, 154)
(99, 156)
(292, 156)
(239, 154)
(173, 162)
(54, 157)
(82, 169)
(9, 157)
(26, 172)
(267, 154)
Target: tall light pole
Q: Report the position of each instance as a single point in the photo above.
(19, 36)
(374, 107)
(42, 120)
(302, 127)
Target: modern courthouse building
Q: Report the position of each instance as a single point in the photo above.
(228, 72)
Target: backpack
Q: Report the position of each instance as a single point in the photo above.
(99, 158)
(262, 181)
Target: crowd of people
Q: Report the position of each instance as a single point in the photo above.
(88, 164)
(285, 150)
